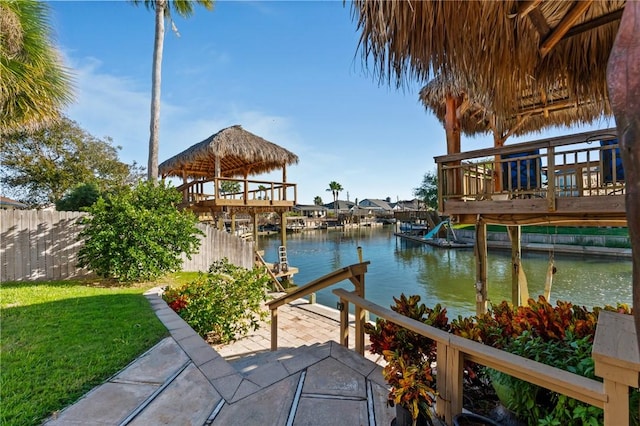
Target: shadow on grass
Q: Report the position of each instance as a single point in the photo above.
(54, 352)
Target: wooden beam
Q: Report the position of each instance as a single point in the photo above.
(481, 267)
(527, 6)
(564, 26)
(537, 19)
(594, 23)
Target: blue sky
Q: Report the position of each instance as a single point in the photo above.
(288, 71)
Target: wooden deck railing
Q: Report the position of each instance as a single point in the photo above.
(452, 351)
(250, 192)
(575, 166)
(354, 273)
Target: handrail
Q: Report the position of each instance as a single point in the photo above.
(450, 379)
(320, 283)
(585, 137)
(273, 277)
(354, 273)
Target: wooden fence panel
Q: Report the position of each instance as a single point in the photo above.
(43, 245)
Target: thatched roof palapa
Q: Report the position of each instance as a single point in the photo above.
(239, 152)
(533, 113)
(511, 57)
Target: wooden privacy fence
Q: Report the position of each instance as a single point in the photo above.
(43, 245)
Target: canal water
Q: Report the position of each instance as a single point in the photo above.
(445, 276)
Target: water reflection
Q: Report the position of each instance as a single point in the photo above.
(446, 276)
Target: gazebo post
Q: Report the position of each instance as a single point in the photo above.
(284, 182)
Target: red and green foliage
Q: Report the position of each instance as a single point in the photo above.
(560, 336)
(409, 355)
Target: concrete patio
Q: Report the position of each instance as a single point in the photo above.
(310, 380)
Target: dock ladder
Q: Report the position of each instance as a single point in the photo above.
(282, 259)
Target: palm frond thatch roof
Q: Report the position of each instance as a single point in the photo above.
(499, 53)
(239, 152)
(534, 112)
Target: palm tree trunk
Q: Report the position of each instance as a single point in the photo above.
(156, 79)
(624, 89)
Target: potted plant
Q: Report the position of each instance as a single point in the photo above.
(409, 358)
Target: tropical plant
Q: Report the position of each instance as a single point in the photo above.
(224, 304)
(317, 201)
(263, 192)
(560, 336)
(42, 166)
(163, 9)
(335, 188)
(409, 355)
(35, 85)
(427, 192)
(138, 234)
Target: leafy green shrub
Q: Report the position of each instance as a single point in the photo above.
(138, 234)
(79, 198)
(223, 304)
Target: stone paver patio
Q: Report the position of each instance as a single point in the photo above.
(310, 380)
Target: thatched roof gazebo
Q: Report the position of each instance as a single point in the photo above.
(215, 174)
(231, 152)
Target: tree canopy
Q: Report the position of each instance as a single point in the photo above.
(41, 167)
(427, 192)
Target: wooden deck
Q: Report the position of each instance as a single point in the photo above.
(576, 179)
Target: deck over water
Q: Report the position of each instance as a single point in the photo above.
(575, 179)
(310, 380)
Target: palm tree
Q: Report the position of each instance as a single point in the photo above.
(335, 188)
(35, 85)
(163, 9)
(317, 200)
(263, 192)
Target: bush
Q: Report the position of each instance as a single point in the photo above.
(79, 198)
(224, 304)
(138, 234)
(409, 355)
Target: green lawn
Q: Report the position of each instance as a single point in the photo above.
(60, 339)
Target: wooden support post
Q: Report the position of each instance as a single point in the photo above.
(274, 329)
(516, 252)
(455, 363)
(617, 361)
(551, 180)
(283, 229)
(344, 323)
(254, 218)
(481, 267)
(443, 404)
(359, 284)
(233, 223)
(452, 128)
